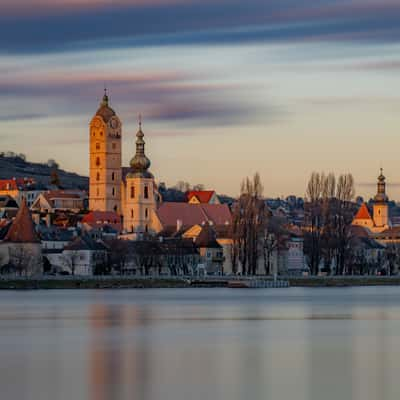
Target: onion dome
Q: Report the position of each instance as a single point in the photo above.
(381, 196)
(105, 111)
(140, 163)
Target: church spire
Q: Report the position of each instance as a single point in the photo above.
(104, 102)
(140, 163)
(381, 196)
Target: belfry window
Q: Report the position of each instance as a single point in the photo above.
(146, 192)
(132, 192)
(98, 161)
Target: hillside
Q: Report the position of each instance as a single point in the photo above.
(16, 166)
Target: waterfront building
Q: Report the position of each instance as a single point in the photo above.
(20, 249)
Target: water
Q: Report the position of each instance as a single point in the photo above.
(200, 344)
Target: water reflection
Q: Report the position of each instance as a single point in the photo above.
(200, 344)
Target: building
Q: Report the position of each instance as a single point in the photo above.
(379, 221)
(20, 188)
(20, 249)
(130, 192)
(53, 201)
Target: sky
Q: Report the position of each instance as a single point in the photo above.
(225, 87)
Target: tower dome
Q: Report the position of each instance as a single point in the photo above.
(105, 111)
(140, 163)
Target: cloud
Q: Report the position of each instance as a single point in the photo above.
(161, 96)
(20, 117)
(161, 22)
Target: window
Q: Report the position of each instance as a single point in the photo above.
(98, 176)
(97, 146)
(98, 161)
(113, 191)
(97, 191)
(146, 213)
(146, 192)
(114, 146)
(131, 213)
(132, 192)
(113, 176)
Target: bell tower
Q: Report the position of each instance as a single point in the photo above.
(105, 159)
(140, 191)
(381, 207)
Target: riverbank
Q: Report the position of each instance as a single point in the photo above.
(143, 283)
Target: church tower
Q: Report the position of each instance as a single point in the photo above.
(105, 159)
(140, 192)
(381, 207)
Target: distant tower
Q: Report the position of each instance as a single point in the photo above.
(105, 159)
(140, 191)
(381, 207)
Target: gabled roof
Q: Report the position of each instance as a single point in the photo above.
(7, 202)
(22, 230)
(363, 212)
(207, 238)
(203, 196)
(193, 214)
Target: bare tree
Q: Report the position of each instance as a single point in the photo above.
(248, 227)
(119, 252)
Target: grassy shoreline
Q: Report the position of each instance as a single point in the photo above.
(140, 283)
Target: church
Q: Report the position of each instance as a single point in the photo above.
(131, 194)
(127, 191)
(379, 221)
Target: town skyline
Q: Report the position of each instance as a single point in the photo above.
(284, 92)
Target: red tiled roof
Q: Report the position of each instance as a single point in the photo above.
(15, 184)
(363, 212)
(60, 194)
(204, 196)
(102, 217)
(98, 219)
(193, 214)
(22, 229)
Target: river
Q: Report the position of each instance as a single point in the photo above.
(200, 344)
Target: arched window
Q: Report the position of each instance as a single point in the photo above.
(113, 176)
(146, 213)
(98, 176)
(113, 191)
(132, 192)
(131, 228)
(98, 161)
(146, 192)
(131, 213)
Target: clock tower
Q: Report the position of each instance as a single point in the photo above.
(105, 159)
